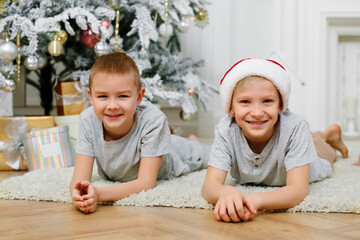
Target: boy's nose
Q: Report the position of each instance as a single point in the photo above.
(257, 112)
(113, 104)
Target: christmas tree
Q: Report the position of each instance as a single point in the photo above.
(60, 40)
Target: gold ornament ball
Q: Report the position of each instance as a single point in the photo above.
(61, 36)
(184, 116)
(201, 15)
(55, 48)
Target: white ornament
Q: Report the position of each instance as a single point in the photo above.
(184, 26)
(8, 51)
(8, 85)
(166, 30)
(31, 62)
(102, 48)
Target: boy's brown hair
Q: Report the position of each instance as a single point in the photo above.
(115, 63)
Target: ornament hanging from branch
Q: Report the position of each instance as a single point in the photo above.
(201, 18)
(165, 29)
(8, 50)
(88, 38)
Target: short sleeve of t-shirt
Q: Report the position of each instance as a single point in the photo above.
(155, 137)
(300, 148)
(221, 151)
(86, 133)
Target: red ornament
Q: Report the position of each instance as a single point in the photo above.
(105, 23)
(88, 38)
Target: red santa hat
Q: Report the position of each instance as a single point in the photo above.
(247, 67)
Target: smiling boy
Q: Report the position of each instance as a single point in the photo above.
(262, 143)
(130, 143)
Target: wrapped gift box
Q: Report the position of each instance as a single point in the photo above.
(69, 99)
(48, 148)
(39, 122)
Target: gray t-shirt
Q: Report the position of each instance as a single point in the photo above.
(149, 136)
(290, 146)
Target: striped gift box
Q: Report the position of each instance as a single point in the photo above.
(48, 148)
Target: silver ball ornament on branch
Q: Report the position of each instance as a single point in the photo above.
(31, 62)
(8, 85)
(166, 30)
(8, 51)
(184, 26)
(102, 48)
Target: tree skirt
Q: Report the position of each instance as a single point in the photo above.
(338, 193)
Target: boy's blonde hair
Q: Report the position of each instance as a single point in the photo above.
(249, 81)
(115, 63)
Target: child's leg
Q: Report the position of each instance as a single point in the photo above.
(358, 162)
(327, 142)
(323, 149)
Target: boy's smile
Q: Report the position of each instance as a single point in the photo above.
(256, 110)
(115, 97)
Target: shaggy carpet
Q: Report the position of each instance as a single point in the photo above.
(338, 193)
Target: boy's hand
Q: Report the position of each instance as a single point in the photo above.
(85, 196)
(234, 206)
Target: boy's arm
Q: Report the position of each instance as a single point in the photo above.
(80, 182)
(148, 171)
(83, 170)
(296, 189)
(230, 203)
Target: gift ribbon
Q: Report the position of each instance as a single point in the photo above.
(13, 149)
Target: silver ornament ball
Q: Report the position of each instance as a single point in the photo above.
(8, 51)
(32, 62)
(8, 85)
(184, 26)
(166, 30)
(102, 48)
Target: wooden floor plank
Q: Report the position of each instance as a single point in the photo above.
(22, 219)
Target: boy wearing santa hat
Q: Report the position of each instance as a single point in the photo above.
(262, 143)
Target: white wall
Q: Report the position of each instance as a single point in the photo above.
(297, 30)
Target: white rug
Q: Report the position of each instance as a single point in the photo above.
(339, 193)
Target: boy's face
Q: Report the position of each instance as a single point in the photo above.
(256, 110)
(115, 97)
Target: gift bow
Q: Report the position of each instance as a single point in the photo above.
(13, 149)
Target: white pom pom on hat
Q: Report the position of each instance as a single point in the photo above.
(247, 67)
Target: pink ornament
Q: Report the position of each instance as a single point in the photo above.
(88, 38)
(105, 23)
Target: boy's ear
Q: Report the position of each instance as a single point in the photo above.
(89, 93)
(141, 95)
(231, 111)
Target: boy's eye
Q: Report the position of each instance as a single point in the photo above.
(101, 96)
(268, 101)
(244, 101)
(124, 96)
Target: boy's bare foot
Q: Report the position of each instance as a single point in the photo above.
(193, 137)
(333, 137)
(357, 163)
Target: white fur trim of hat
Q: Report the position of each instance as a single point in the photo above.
(247, 67)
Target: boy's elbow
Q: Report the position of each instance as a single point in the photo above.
(299, 198)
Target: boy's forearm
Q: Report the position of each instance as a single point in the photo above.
(282, 198)
(211, 191)
(120, 191)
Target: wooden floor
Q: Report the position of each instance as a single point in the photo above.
(48, 220)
